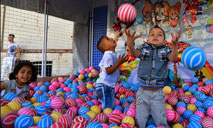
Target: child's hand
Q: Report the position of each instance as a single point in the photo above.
(131, 37)
(125, 73)
(122, 59)
(3, 86)
(175, 38)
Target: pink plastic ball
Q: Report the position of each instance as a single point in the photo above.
(127, 13)
(56, 84)
(193, 100)
(40, 84)
(56, 103)
(170, 114)
(181, 90)
(181, 110)
(117, 111)
(199, 113)
(52, 88)
(90, 68)
(104, 125)
(61, 80)
(72, 76)
(116, 89)
(32, 85)
(210, 111)
(117, 102)
(95, 102)
(122, 115)
(100, 106)
(200, 88)
(82, 71)
(75, 109)
(67, 89)
(131, 112)
(62, 86)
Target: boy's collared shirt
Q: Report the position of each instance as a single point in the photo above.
(108, 60)
(154, 62)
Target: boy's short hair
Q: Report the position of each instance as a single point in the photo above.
(100, 44)
(11, 35)
(156, 26)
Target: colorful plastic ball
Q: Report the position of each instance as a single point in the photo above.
(3, 102)
(14, 105)
(127, 13)
(91, 114)
(177, 126)
(45, 123)
(187, 114)
(24, 121)
(58, 125)
(94, 125)
(67, 121)
(115, 119)
(181, 110)
(9, 119)
(102, 118)
(151, 126)
(56, 103)
(83, 110)
(95, 109)
(207, 122)
(27, 104)
(5, 110)
(207, 104)
(107, 111)
(167, 90)
(40, 109)
(172, 100)
(210, 111)
(168, 106)
(129, 120)
(180, 103)
(192, 107)
(27, 111)
(170, 114)
(79, 119)
(131, 112)
(19, 99)
(194, 124)
(193, 58)
(195, 118)
(10, 96)
(36, 119)
(56, 115)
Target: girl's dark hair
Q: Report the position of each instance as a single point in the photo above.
(19, 66)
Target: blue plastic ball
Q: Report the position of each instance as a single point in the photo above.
(187, 114)
(10, 96)
(194, 80)
(45, 123)
(27, 104)
(195, 118)
(193, 58)
(83, 110)
(94, 125)
(40, 109)
(194, 124)
(24, 121)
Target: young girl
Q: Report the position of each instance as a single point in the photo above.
(22, 75)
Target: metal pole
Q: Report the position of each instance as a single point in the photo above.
(91, 33)
(44, 50)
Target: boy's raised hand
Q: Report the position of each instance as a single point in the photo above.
(175, 38)
(122, 59)
(131, 37)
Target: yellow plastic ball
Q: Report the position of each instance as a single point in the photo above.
(81, 97)
(95, 109)
(167, 90)
(4, 110)
(81, 77)
(33, 100)
(192, 107)
(184, 85)
(89, 86)
(129, 120)
(14, 105)
(115, 127)
(60, 93)
(91, 114)
(122, 96)
(56, 115)
(90, 75)
(107, 111)
(177, 126)
(36, 119)
(188, 93)
(168, 106)
(36, 104)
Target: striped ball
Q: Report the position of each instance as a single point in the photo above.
(10, 96)
(104, 125)
(14, 105)
(168, 106)
(177, 126)
(195, 118)
(19, 99)
(86, 117)
(167, 90)
(185, 123)
(192, 107)
(56, 103)
(194, 124)
(170, 114)
(3, 102)
(58, 125)
(181, 110)
(115, 119)
(24, 121)
(83, 110)
(60, 110)
(40, 109)
(122, 90)
(5, 110)
(187, 114)
(131, 112)
(91, 114)
(45, 123)
(78, 125)
(95, 109)
(207, 104)
(127, 13)
(67, 121)
(27, 111)
(69, 102)
(205, 90)
(56, 115)
(210, 111)
(176, 118)
(126, 125)
(129, 93)
(107, 111)
(193, 58)
(129, 120)
(207, 122)
(79, 119)
(36, 104)
(199, 113)
(185, 99)
(94, 125)
(36, 119)
(102, 118)
(71, 113)
(9, 119)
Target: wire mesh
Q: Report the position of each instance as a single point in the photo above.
(28, 28)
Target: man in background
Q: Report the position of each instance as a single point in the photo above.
(9, 61)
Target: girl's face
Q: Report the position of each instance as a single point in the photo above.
(156, 37)
(24, 75)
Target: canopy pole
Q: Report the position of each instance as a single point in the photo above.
(44, 50)
(91, 18)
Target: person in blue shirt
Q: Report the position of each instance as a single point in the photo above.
(110, 71)
(152, 71)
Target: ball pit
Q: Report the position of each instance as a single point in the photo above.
(56, 103)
